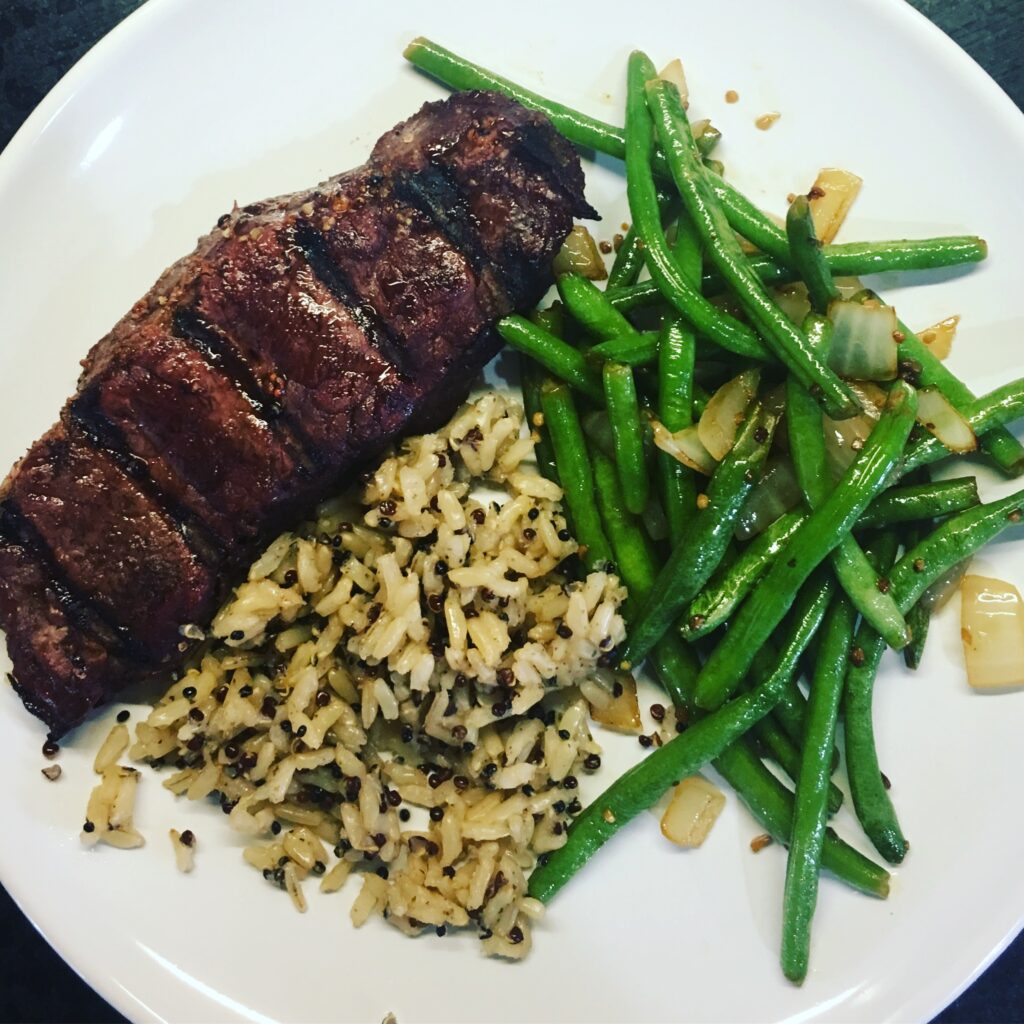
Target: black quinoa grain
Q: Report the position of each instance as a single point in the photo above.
(245, 691)
(88, 827)
(574, 807)
(645, 740)
(196, 714)
(448, 871)
(506, 677)
(404, 814)
(353, 785)
(479, 516)
(407, 734)
(189, 692)
(275, 828)
(441, 567)
(301, 731)
(123, 716)
(382, 871)
(564, 535)
(248, 761)
(196, 743)
(187, 838)
(570, 782)
(592, 762)
(564, 734)
(436, 813)
(658, 712)
(51, 748)
(563, 631)
(529, 533)
(220, 694)
(441, 931)
(515, 935)
(323, 698)
(286, 726)
(460, 782)
(237, 634)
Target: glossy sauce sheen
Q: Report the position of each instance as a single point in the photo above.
(301, 336)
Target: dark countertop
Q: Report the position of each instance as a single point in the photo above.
(39, 41)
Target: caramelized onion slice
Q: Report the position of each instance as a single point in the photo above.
(692, 811)
(992, 629)
(725, 412)
(864, 345)
(939, 417)
(684, 446)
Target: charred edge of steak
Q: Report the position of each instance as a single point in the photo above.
(535, 145)
(434, 192)
(103, 435)
(377, 332)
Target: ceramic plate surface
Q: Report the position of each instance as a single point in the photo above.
(192, 104)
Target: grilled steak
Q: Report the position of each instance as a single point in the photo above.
(300, 337)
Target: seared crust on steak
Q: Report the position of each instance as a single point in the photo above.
(301, 336)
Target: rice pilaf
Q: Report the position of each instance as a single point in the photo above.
(405, 683)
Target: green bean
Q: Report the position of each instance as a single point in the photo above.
(995, 409)
(728, 587)
(641, 194)
(807, 450)
(822, 531)
(677, 352)
(765, 797)
(674, 662)
(693, 561)
(920, 501)
(629, 258)
(811, 803)
(553, 354)
(628, 262)
(951, 542)
(635, 349)
(644, 783)
(574, 471)
(920, 615)
(633, 556)
(589, 305)
(627, 432)
(845, 259)
(808, 259)
(771, 804)
(779, 333)
(532, 381)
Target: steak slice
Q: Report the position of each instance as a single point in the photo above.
(301, 336)
(117, 548)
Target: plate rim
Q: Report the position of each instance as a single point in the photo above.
(926, 1004)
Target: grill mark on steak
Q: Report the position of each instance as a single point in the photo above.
(434, 192)
(187, 324)
(300, 337)
(82, 414)
(314, 247)
(113, 544)
(16, 530)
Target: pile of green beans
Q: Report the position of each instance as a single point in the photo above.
(729, 627)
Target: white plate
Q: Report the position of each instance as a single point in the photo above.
(191, 104)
